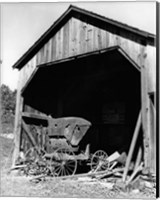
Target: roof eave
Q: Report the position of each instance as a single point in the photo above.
(43, 39)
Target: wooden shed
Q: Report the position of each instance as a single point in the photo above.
(89, 66)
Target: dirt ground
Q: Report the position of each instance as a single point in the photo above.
(17, 185)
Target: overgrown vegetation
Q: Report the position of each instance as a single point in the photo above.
(8, 104)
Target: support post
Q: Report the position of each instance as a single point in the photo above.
(145, 109)
(132, 146)
(153, 137)
(17, 127)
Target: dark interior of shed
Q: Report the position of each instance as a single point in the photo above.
(102, 88)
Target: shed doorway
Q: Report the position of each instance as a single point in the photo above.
(103, 88)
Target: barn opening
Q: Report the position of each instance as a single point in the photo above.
(102, 87)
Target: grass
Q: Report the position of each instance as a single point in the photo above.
(6, 146)
(7, 127)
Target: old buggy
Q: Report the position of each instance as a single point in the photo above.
(55, 148)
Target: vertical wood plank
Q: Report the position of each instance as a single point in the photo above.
(57, 45)
(85, 37)
(78, 36)
(82, 37)
(53, 57)
(73, 37)
(132, 146)
(152, 120)
(42, 55)
(99, 39)
(107, 39)
(103, 34)
(45, 54)
(89, 38)
(70, 37)
(145, 109)
(66, 40)
(74, 41)
(60, 42)
(95, 38)
(50, 51)
(38, 58)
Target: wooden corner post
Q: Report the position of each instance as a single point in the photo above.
(17, 125)
(145, 108)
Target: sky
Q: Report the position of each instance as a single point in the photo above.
(23, 23)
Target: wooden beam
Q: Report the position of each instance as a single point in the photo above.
(152, 120)
(35, 116)
(132, 146)
(145, 107)
(17, 126)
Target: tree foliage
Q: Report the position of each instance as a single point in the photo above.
(8, 104)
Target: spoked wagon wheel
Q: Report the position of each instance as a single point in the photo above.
(63, 162)
(99, 161)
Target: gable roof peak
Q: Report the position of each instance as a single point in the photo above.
(86, 16)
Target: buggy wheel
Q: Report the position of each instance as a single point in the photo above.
(63, 162)
(99, 161)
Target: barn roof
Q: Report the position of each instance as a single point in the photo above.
(91, 18)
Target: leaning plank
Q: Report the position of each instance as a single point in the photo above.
(29, 135)
(138, 169)
(138, 159)
(132, 146)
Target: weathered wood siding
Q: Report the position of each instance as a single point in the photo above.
(77, 37)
